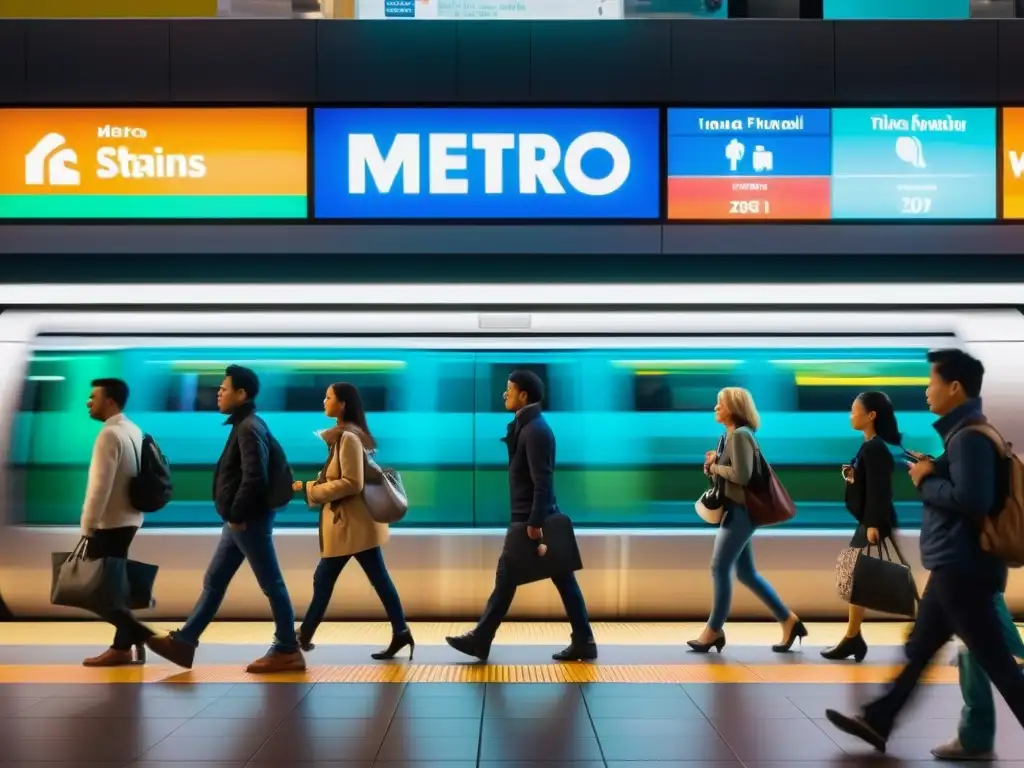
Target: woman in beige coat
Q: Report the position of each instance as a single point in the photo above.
(346, 528)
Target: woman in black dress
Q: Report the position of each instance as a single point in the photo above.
(869, 497)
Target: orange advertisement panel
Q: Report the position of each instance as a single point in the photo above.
(221, 152)
(1013, 163)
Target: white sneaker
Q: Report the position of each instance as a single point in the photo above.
(955, 751)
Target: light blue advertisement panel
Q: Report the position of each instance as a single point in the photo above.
(455, 163)
(914, 163)
(897, 9)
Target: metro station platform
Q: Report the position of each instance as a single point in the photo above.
(647, 703)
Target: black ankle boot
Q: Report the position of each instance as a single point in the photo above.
(398, 642)
(847, 647)
(471, 644)
(578, 650)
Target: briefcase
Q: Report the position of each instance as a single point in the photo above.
(93, 585)
(877, 583)
(556, 554)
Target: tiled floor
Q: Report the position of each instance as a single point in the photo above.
(169, 720)
(458, 726)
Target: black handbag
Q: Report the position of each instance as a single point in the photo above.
(877, 583)
(93, 585)
(141, 578)
(555, 554)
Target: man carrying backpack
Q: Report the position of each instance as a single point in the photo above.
(962, 492)
(109, 519)
(252, 481)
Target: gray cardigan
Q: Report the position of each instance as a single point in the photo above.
(736, 464)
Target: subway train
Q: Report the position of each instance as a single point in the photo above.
(631, 377)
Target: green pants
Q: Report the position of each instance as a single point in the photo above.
(978, 718)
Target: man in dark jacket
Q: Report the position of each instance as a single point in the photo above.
(531, 480)
(241, 485)
(958, 490)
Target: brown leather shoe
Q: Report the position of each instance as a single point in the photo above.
(277, 661)
(111, 658)
(172, 649)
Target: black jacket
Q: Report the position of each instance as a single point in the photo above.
(969, 482)
(869, 497)
(531, 467)
(241, 479)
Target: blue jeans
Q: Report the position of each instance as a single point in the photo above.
(977, 730)
(733, 552)
(326, 576)
(255, 544)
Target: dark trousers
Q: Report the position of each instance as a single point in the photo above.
(326, 576)
(504, 593)
(115, 542)
(955, 602)
(254, 544)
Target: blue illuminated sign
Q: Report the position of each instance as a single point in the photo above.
(453, 163)
(914, 163)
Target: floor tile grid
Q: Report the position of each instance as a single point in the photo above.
(754, 744)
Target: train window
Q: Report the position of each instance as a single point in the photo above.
(455, 394)
(45, 388)
(193, 392)
(686, 392)
(498, 381)
(839, 398)
(305, 393)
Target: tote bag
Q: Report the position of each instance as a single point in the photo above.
(93, 585)
(877, 583)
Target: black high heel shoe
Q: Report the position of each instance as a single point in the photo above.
(140, 654)
(798, 632)
(398, 642)
(698, 647)
(847, 647)
(304, 643)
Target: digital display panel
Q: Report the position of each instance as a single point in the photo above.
(1013, 163)
(748, 164)
(896, 9)
(914, 163)
(153, 163)
(490, 10)
(453, 163)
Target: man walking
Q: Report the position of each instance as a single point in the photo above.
(242, 482)
(960, 488)
(109, 521)
(531, 470)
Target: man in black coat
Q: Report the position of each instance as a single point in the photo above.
(241, 490)
(531, 471)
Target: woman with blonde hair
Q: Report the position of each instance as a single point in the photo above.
(735, 462)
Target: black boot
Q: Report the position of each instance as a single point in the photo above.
(578, 650)
(398, 642)
(471, 645)
(847, 647)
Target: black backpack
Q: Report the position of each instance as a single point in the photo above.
(150, 490)
(279, 474)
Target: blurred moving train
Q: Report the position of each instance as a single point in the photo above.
(630, 397)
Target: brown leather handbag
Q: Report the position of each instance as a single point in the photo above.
(766, 498)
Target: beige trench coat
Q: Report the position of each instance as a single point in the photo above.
(346, 527)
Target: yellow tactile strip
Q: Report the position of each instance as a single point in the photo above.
(476, 673)
(433, 633)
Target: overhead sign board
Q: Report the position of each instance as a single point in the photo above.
(153, 163)
(488, 163)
